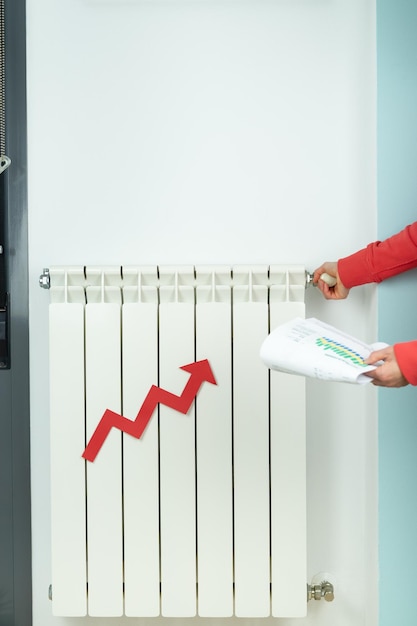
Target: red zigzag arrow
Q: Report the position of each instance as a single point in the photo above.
(200, 372)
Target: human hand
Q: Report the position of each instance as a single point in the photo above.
(339, 291)
(388, 374)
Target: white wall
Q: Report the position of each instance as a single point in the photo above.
(221, 131)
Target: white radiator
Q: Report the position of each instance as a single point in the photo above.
(204, 513)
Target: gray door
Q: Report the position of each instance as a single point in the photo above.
(15, 542)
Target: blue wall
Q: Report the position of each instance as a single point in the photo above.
(397, 206)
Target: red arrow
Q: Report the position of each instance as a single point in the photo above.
(200, 372)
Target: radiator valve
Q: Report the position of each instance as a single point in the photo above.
(45, 279)
(321, 590)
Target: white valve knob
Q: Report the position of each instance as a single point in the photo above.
(329, 280)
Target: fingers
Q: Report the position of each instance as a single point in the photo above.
(329, 267)
(335, 292)
(388, 374)
(379, 355)
(385, 376)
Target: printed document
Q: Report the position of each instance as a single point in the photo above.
(309, 347)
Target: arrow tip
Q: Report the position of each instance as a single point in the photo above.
(201, 369)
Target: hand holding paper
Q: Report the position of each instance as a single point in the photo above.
(388, 373)
(317, 350)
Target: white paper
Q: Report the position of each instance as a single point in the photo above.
(309, 347)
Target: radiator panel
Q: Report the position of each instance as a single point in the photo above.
(197, 516)
(104, 476)
(288, 482)
(177, 463)
(68, 545)
(251, 460)
(214, 456)
(140, 458)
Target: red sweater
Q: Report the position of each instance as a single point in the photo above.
(381, 260)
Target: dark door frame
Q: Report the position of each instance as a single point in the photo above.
(15, 501)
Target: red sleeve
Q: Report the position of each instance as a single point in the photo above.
(406, 355)
(381, 259)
